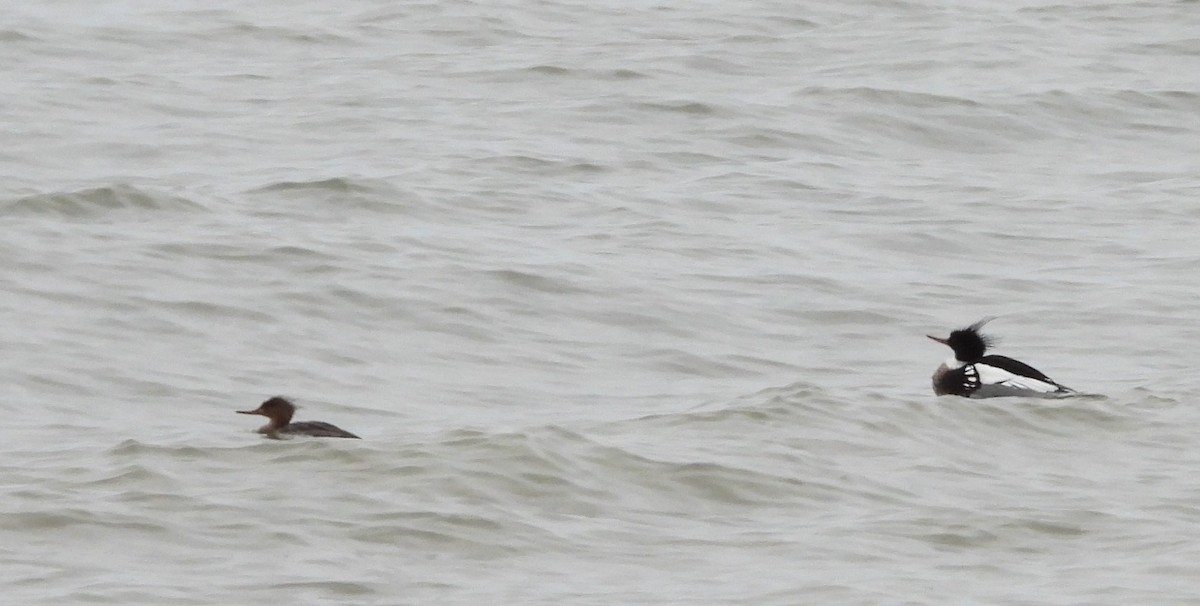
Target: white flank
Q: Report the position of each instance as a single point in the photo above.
(990, 375)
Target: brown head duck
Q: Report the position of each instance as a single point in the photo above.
(280, 410)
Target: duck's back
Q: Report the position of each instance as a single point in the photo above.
(317, 429)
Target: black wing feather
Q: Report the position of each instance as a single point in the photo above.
(1018, 367)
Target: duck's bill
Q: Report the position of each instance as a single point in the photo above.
(250, 412)
(939, 339)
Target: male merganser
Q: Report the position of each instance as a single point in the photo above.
(971, 374)
(280, 410)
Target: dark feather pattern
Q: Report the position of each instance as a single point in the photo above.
(1016, 367)
(968, 343)
(960, 381)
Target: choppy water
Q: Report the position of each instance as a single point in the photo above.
(628, 301)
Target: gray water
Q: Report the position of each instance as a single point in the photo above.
(627, 301)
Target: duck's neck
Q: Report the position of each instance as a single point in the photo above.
(274, 434)
(275, 425)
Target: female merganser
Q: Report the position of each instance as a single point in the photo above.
(280, 411)
(971, 374)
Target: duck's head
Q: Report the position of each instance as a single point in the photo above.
(968, 343)
(278, 410)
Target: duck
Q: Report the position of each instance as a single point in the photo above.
(972, 373)
(280, 410)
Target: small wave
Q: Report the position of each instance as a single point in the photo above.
(338, 193)
(207, 310)
(589, 74)
(526, 164)
(885, 96)
(481, 534)
(332, 588)
(550, 70)
(118, 200)
(558, 471)
(339, 185)
(257, 33)
(770, 405)
(694, 108)
(532, 281)
(68, 518)
(10, 35)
